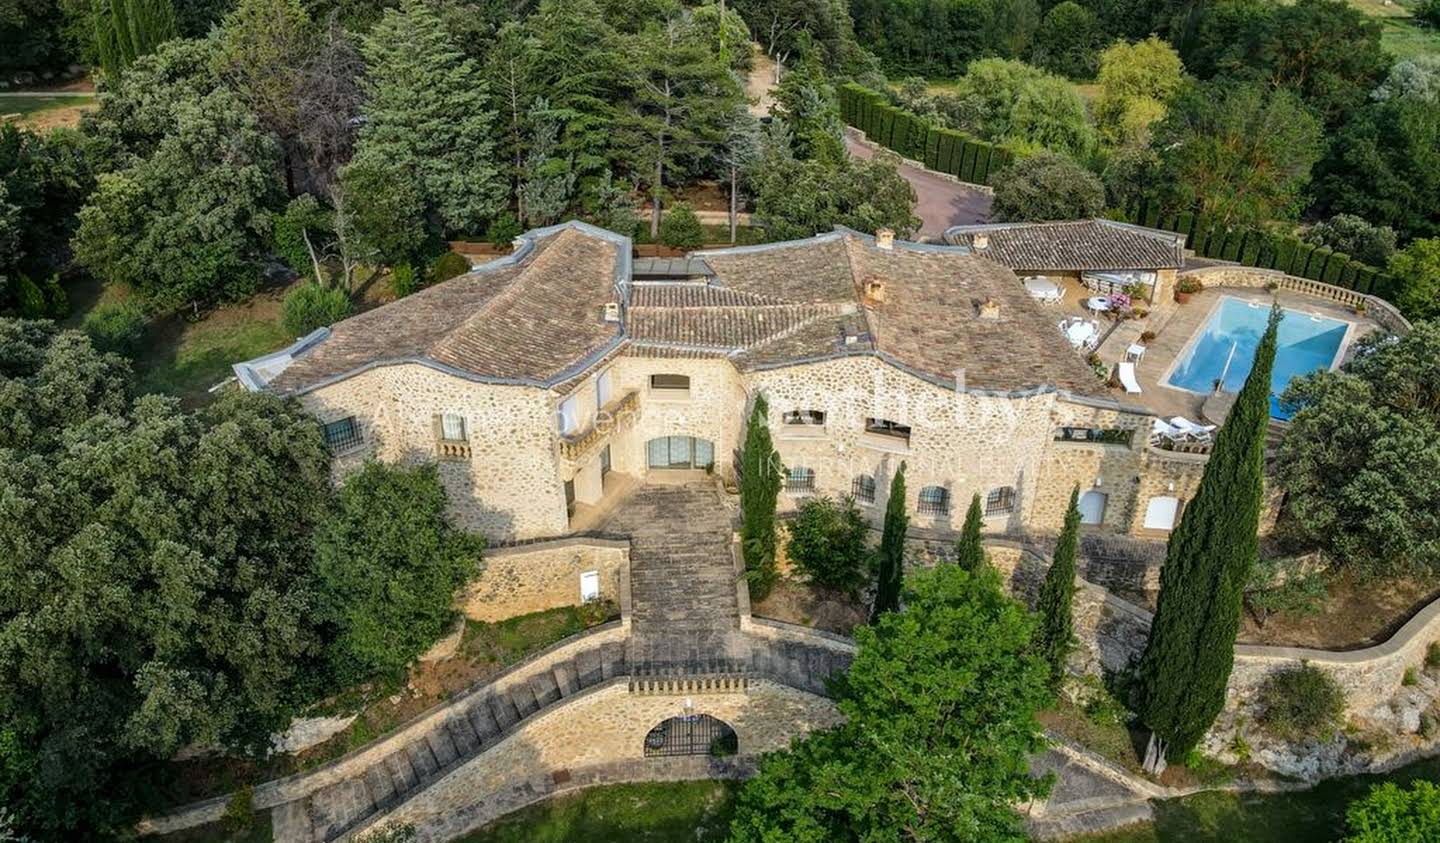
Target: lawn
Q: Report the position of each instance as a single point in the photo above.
(187, 358)
(1403, 39)
(48, 111)
(672, 812)
(1315, 815)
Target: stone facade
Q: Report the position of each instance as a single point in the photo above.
(606, 725)
(532, 578)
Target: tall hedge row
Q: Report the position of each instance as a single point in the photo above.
(956, 153)
(1253, 247)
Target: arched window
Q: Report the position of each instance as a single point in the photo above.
(1000, 501)
(694, 734)
(934, 500)
(800, 480)
(862, 488)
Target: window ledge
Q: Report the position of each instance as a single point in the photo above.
(669, 394)
(888, 444)
(803, 431)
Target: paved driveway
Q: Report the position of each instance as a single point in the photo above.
(940, 203)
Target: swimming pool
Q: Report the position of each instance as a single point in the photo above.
(1226, 348)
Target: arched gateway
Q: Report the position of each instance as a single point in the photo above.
(691, 734)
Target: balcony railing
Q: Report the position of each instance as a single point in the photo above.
(573, 446)
(452, 449)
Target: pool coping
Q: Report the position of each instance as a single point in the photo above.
(1188, 348)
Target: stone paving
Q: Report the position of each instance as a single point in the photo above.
(685, 616)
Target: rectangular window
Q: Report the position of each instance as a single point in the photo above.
(670, 383)
(1000, 501)
(602, 389)
(566, 416)
(800, 479)
(605, 461)
(885, 427)
(343, 435)
(1099, 435)
(452, 427)
(816, 417)
(863, 489)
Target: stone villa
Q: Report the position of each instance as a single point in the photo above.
(552, 381)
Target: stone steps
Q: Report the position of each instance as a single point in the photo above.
(474, 725)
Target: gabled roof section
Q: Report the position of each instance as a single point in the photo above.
(535, 317)
(1077, 246)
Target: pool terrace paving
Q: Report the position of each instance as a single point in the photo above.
(1174, 326)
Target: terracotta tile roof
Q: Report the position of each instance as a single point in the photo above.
(1073, 246)
(533, 319)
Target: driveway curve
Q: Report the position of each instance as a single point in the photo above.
(939, 202)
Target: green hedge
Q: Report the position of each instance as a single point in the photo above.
(967, 161)
(1285, 254)
(908, 134)
(1250, 247)
(1315, 269)
(932, 149)
(1335, 268)
(1152, 215)
(1185, 224)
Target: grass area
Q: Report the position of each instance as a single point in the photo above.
(26, 106)
(715, 235)
(389, 703)
(672, 812)
(187, 358)
(1404, 39)
(1316, 815)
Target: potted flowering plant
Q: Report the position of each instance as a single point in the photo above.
(1187, 287)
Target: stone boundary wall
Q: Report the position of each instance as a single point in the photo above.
(533, 577)
(861, 138)
(301, 785)
(1381, 311)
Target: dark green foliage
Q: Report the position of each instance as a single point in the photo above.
(126, 30)
(29, 298)
(680, 229)
(932, 148)
(1315, 267)
(827, 543)
(985, 169)
(1285, 253)
(239, 816)
(1234, 238)
(1302, 703)
(1303, 251)
(1187, 660)
(387, 567)
(1151, 218)
(404, 280)
(890, 558)
(1056, 636)
(1371, 244)
(970, 547)
(1383, 166)
(760, 477)
(310, 306)
(1167, 223)
(1047, 187)
(44, 180)
(1185, 224)
(1201, 240)
(505, 228)
(448, 265)
(967, 160)
(1360, 463)
(1250, 248)
(116, 326)
(1364, 279)
(1334, 267)
(939, 709)
(1390, 814)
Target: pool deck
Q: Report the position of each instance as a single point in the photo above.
(1174, 326)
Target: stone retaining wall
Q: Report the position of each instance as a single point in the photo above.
(545, 575)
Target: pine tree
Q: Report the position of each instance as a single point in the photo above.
(573, 57)
(428, 114)
(892, 549)
(548, 182)
(970, 549)
(760, 474)
(1187, 661)
(1055, 637)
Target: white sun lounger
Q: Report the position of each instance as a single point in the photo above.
(1189, 428)
(1161, 429)
(1127, 378)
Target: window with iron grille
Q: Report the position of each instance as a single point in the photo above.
(800, 479)
(452, 427)
(343, 435)
(816, 417)
(862, 489)
(934, 500)
(1000, 501)
(885, 427)
(695, 734)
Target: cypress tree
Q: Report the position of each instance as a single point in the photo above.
(125, 30)
(970, 549)
(1187, 661)
(892, 549)
(1055, 637)
(760, 474)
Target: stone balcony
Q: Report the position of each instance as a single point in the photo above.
(574, 446)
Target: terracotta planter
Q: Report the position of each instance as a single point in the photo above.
(1182, 298)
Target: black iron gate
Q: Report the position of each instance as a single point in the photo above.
(694, 734)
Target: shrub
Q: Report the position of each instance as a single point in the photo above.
(310, 306)
(31, 299)
(680, 229)
(1189, 284)
(1372, 244)
(239, 816)
(1411, 678)
(1301, 703)
(827, 543)
(503, 229)
(57, 304)
(1273, 590)
(116, 326)
(1391, 814)
(1432, 654)
(403, 279)
(1045, 187)
(448, 266)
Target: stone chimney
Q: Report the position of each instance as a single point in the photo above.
(990, 309)
(980, 241)
(875, 290)
(885, 238)
(612, 311)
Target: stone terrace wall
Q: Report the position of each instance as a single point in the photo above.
(545, 575)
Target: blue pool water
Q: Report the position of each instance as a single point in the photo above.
(1306, 344)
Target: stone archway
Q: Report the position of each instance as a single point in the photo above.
(691, 734)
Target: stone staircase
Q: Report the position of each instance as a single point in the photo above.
(388, 773)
